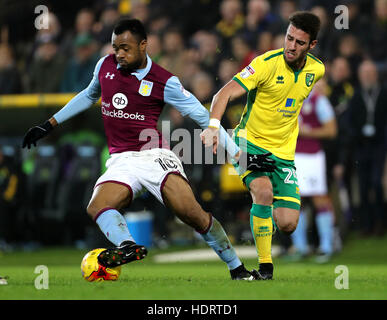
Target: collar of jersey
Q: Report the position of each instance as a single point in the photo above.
(141, 73)
(296, 72)
(289, 67)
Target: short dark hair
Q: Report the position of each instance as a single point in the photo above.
(307, 22)
(135, 26)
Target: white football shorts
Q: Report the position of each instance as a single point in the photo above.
(142, 170)
(311, 173)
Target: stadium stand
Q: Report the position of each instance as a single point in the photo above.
(40, 70)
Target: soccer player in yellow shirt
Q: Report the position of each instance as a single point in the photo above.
(277, 82)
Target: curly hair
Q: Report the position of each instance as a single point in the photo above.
(307, 22)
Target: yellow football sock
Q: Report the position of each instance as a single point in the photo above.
(262, 229)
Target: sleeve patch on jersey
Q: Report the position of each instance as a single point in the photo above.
(247, 72)
(244, 74)
(250, 69)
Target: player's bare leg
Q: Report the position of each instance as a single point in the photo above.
(105, 202)
(261, 191)
(108, 195)
(178, 196)
(286, 219)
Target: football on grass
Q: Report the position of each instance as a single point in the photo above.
(93, 271)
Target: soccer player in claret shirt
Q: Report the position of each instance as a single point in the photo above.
(277, 82)
(317, 121)
(133, 91)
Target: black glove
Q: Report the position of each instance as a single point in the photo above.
(257, 162)
(36, 133)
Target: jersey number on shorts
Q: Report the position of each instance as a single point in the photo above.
(166, 163)
(290, 172)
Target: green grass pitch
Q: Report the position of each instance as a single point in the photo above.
(366, 260)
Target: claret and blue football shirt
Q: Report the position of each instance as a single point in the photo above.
(131, 103)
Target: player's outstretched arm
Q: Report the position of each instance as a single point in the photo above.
(82, 101)
(210, 136)
(79, 103)
(231, 91)
(188, 105)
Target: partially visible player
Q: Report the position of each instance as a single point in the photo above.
(277, 83)
(133, 91)
(317, 121)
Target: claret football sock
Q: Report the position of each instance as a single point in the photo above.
(262, 230)
(113, 226)
(217, 239)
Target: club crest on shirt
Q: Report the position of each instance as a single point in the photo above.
(309, 77)
(145, 88)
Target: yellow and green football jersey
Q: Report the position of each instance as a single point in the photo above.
(275, 97)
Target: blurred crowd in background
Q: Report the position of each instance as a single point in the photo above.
(205, 43)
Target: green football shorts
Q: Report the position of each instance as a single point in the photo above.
(286, 192)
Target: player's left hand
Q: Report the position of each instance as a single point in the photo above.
(36, 133)
(257, 162)
(210, 137)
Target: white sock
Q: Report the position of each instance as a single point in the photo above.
(113, 226)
